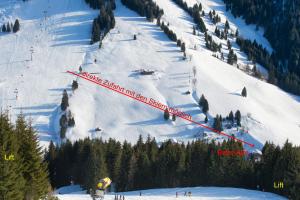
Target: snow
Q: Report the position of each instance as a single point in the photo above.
(61, 42)
(198, 193)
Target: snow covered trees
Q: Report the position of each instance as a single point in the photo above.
(16, 26)
(9, 27)
(25, 176)
(244, 92)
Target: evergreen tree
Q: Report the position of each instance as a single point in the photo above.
(50, 158)
(3, 28)
(134, 37)
(238, 117)
(95, 32)
(179, 43)
(122, 182)
(231, 117)
(95, 169)
(206, 119)
(218, 123)
(63, 126)
(205, 107)
(65, 101)
(16, 26)
(173, 118)
(227, 25)
(237, 33)
(244, 92)
(74, 85)
(166, 114)
(11, 178)
(34, 171)
(8, 28)
(183, 47)
(71, 122)
(201, 100)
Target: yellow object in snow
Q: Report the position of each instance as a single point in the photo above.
(104, 183)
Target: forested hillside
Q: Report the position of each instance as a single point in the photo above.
(149, 165)
(280, 18)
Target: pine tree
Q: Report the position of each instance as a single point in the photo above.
(3, 28)
(205, 107)
(231, 117)
(206, 119)
(122, 182)
(50, 158)
(244, 92)
(63, 126)
(227, 25)
(166, 114)
(65, 101)
(183, 47)
(16, 26)
(34, 171)
(238, 117)
(71, 122)
(74, 85)
(201, 100)
(11, 178)
(179, 43)
(95, 32)
(218, 123)
(8, 28)
(95, 169)
(134, 37)
(237, 33)
(173, 118)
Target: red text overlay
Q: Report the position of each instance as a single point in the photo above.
(232, 152)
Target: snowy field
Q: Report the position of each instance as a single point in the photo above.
(198, 193)
(59, 32)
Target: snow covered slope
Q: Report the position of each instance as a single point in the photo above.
(59, 30)
(198, 193)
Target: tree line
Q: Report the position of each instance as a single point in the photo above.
(286, 80)
(282, 29)
(9, 27)
(148, 164)
(23, 174)
(105, 20)
(146, 8)
(194, 12)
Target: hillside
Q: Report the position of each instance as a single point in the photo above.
(198, 193)
(59, 34)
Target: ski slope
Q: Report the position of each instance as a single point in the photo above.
(198, 193)
(59, 33)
